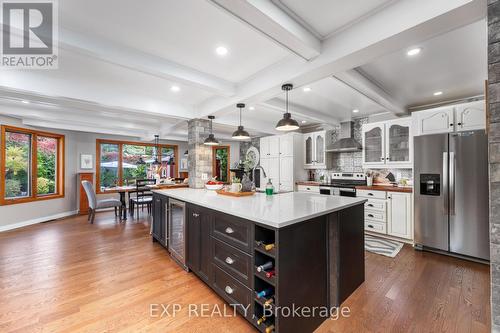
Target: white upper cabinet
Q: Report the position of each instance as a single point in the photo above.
(460, 117)
(440, 120)
(470, 116)
(388, 144)
(286, 145)
(264, 147)
(315, 150)
(270, 146)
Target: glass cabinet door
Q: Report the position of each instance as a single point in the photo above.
(374, 145)
(308, 150)
(398, 146)
(320, 148)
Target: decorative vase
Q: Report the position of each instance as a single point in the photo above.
(246, 183)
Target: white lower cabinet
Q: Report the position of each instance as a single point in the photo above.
(308, 188)
(388, 213)
(399, 222)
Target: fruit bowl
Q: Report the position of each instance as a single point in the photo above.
(214, 187)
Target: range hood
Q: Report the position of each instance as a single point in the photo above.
(346, 143)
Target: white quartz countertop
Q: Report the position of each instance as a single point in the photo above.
(277, 211)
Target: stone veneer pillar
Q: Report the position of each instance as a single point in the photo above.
(494, 155)
(199, 155)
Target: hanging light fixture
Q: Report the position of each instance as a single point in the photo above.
(287, 123)
(158, 152)
(240, 133)
(211, 140)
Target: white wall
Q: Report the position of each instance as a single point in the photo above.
(76, 143)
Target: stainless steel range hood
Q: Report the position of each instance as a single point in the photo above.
(346, 143)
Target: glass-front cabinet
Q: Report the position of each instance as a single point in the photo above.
(388, 144)
(308, 149)
(315, 150)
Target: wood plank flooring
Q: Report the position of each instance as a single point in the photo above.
(70, 276)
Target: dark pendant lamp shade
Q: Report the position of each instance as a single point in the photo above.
(158, 152)
(287, 123)
(240, 133)
(211, 140)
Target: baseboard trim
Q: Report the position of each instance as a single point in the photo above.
(37, 220)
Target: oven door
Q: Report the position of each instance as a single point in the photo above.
(347, 192)
(326, 190)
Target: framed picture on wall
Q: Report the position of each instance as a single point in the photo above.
(86, 161)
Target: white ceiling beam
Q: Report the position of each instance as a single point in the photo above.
(359, 82)
(272, 21)
(130, 58)
(401, 24)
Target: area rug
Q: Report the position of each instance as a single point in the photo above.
(385, 247)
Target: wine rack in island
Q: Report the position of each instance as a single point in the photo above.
(265, 272)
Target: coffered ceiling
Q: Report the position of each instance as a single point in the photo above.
(141, 68)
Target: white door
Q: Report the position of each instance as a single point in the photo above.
(470, 116)
(398, 142)
(399, 219)
(264, 147)
(274, 146)
(434, 121)
(373, 144)
(308, 140)
(286, 174)
(286, 145)
(319, 150)
(273, 171)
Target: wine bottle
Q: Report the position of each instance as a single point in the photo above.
(265, 267)
(270, 329)
(264, 293)
(270, 274)
(269, 302)
(261, 320)
(269, 247)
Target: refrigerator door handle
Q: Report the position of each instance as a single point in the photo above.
(445, 182)
(452, 183)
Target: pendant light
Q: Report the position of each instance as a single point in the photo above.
(211, 140)
(287, 123)
(157, 145)
(240, 133)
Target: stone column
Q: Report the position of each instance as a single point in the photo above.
(494, 155)
(199, 155)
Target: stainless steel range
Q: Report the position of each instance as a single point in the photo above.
(343, 184)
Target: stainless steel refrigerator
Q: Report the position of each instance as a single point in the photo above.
(451, 193)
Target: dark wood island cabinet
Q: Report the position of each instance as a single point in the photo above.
(316, 263)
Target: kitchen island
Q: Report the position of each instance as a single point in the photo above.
(310, 248)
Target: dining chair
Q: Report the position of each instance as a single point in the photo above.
(143, 196)
(95, 204)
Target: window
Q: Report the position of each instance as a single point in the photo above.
(33, 165)
(121, 163)
(220, 163)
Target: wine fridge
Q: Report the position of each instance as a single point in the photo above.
(176, 213)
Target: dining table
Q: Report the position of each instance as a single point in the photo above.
(123, 190)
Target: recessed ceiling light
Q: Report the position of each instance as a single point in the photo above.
(355, 111)
(438, 93)
(307, 89)
(25, 102)
(252, 108)
(221, 50)
(175, 88)
(304, 121)
(414, 52)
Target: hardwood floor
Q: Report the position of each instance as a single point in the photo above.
(70, 276)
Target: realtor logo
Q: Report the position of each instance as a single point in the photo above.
(29, 34)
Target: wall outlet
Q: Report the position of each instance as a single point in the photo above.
(204, 176)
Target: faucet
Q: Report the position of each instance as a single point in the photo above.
(253, 172)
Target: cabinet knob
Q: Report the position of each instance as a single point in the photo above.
(196, 214)
(370, 194)
(451, 125)
(381, 158)
(370, 205)
(370, 226)
(370, 215)
(229, 261)
(229, 290)
(229, 230)
(459, 124)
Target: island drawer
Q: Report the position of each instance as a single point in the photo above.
(233, 230)
(371, 194)
(376, 227)
(375, 204)
(232, 260)
(375, 215)
(232, 290)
